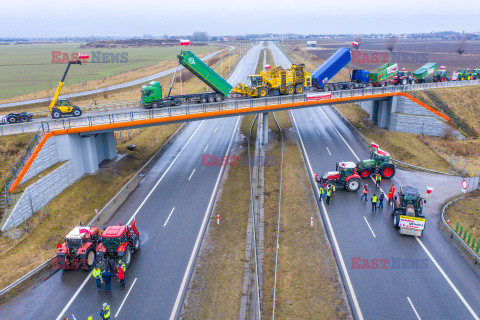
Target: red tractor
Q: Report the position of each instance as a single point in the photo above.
(345, 177)
(118, 243)
(402, 78)
(78, 251)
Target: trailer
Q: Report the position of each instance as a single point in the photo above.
(331, 67)
(16, 117)
(421, 74)
(381, 73)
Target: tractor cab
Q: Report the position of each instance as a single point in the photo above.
(151, 93)
(256, 81)
(79, 236)
(346, 169)
(64, 105)
(476, 73)
(409, 198)
(380, 156)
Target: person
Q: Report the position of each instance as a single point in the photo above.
(97, 275)
(121, 276)
(333, 191)
(365, 192)
(374, 203)
(120, 263)
(380, 200)
(378, 179)
(107, 277)
(329, 194)
(90, 318)
(391, 192)
(105, 312)
(321, 191)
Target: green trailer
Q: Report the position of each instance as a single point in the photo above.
(383, 72)
(422, 73)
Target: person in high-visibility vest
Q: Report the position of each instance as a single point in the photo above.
(391, 192)
(333, 190)
(329, 194)
(321, 191)
(105, 312)
(378, 179)
(374, 203)
(97, 274)
(120, 263)
(365, 192)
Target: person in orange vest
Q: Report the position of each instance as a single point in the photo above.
(391, 192)
(365, 192)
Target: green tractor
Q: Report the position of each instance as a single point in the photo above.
(464, 74)
(379, 162)
(441, 75)
(408, 212)
(476, 74)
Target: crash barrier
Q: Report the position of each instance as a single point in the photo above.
(44, 270)
(462, 235)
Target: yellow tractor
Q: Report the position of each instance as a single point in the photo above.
(276, 81)
(61, 107)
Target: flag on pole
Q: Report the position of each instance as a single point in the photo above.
(184, 42)
(83, 56)
(373, 145)
(355, 43)
(429, 190)
(267, 66)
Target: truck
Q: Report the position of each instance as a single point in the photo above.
(408, 212)
(422, 74)
(345, 177)
(276, 81)
(441, 75)
(403, 77)
(152, 97)
(16, 117)
(327, 70)
(379, 74)
(379, 162)
(118, 243)
(78, 250)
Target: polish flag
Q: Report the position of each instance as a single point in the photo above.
(373, 145)
(429, 190)
(82, 56)
(355, 43)
(267, 66)
(184, 42)
(83, 230)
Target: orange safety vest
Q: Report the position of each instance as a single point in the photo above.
(365, 189)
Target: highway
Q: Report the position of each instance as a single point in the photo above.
(171, 206)
(424, 278)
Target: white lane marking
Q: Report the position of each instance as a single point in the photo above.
(330, 228)
(215, 130)
(173, 209)
(129, 221)
(205, 148)
(74, 296)
(163, 175)
(192, 174)
(200, 232)
(448, 279)
(368, 224)
(413, 307)
(328, 151)
(125, 299)
(420, 242)
(318, 132)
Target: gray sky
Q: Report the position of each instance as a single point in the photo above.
(33, 18)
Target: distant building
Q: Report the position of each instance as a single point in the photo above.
(312, 44)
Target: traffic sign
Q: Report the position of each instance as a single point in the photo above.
(464, 186)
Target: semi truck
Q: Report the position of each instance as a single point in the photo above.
(152, 93)
(423, 73)
(16, 117)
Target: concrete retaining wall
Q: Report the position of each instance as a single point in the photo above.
(46, 158)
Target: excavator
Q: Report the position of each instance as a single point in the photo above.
(61, 107)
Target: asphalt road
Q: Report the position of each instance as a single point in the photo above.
(422, 278)
(171, 206)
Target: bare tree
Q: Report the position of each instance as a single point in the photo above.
(391, 43)
(461, 46)
(200, 36)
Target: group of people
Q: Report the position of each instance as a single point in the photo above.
(107, 274)
(328, 191)
(104, 313)
(378, 200)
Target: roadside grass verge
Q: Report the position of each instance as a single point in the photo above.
(467, 213)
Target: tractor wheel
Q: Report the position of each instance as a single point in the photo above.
(290, 90)
(387, 170)
(353, 184)
(404, 81)
(204, 99)
(77, 112)
(127, 258)
(155, 104)
(91, 257)
(365, 173)
(56, 114)
(136, 244)
(211, 99)
(299, 89)
(11, 119)
(262, 92)
(218, 98)
(23, 118)
(396, 221)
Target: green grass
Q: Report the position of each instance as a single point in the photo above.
(27, 68)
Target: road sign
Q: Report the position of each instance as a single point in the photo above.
(464, 186)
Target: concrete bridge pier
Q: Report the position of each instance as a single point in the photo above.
(265, 128)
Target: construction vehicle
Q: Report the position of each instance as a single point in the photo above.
(378, 75)
(78, 250)
(15, 117)
(463, 74)
(422, 74)
(118, 243)
(407, 212)
(152, 93)
(59, 108)
(441, 75)
(276, 81)
(345, 177)
(379, 162)
(403, 77)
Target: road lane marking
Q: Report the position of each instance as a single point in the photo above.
(191, 174)
(205, 148)
(200, 232)
(368, 224)
(419, 241)
(164, 174)
(330, 228)
(215, 130)
(173, 209)
(413, 307)
(328, 151)
(448, 279)
(74, 296)
(125, 299)
(318, 133)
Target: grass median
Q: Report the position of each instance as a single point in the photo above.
(467, 213)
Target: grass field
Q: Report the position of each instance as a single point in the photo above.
(467, 213)
(26, 69)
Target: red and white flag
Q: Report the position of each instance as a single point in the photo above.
(82, 56)
(184, 42)
(355, 43)
(429, 190)
(373, 145)
(267, 66)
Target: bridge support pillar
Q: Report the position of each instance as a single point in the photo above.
(265, 128)
(384, 112)
(89, 154)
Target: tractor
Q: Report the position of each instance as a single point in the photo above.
(345, 177)
(464, 74)
(407, 211)
(403, 77)
(78, 251)
(118, 243)
(476, 74)
(441, 75)
(379, 162)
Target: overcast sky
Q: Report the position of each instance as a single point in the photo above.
(53, 18)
